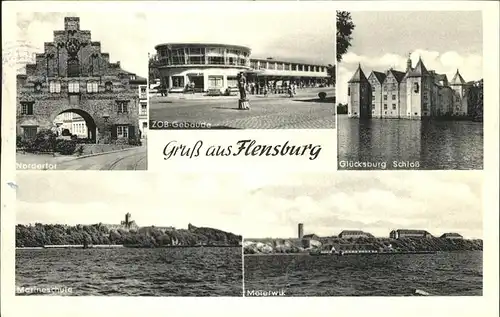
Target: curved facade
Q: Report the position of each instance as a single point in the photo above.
(207, 66)
(215, 66)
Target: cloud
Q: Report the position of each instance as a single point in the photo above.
(470, 65)
(376, 202)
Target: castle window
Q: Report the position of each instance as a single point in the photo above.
(108, 86)
(385, 97)
(373, 88)
(122, 106)
(92, 87)
(348, 91)
(385, 106)
(415, 88)
(74, 87)
(55, 87)
(393, 106)
(122, 131)
(27, 108)
(373, 106)
(393, 97)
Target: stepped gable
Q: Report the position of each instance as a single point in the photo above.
(419, 70)
(457, 79)
(358, 76)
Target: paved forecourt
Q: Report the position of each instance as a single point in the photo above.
(305, 111)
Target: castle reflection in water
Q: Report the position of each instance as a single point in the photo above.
(409, 144)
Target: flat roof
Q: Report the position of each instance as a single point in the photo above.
(288, 61)
(203, 45)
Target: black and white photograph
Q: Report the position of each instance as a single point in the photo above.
(357, 234)
(410, 90)
(81, 91)
(152, 238)
(249, 66)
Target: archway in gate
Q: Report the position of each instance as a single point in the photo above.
(75, 122)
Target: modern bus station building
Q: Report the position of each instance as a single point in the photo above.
(216, 66)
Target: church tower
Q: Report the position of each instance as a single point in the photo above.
(458, 85)
(359, 95)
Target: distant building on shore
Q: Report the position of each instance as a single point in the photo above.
(451, 235)
(311, 236)
(310, 240)
(409, 233)
(413, 94)
(127, 224)
(346, 234)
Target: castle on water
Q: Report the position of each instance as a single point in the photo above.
(416, 93)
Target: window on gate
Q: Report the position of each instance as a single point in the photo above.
(27, 108)
(122, 131)
(55, 86)
(122, 106)
(29, 132)
(73, 67)
(73, 87)
(92, 87)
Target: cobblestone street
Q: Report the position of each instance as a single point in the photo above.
(304, 111)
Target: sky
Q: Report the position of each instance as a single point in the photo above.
(122, 35)
(446, 40)
(298, 32)
(151, 199)
(260, 205)
(376, 202)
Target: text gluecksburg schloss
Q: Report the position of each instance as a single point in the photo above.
(240, 148)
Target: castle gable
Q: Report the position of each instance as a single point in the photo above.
(419, 70)
(397, 75)
(359, 76)
(378, 76)
(457, 79)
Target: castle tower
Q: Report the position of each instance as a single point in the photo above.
(301, 230)
(418, 94)
(458, 85)
(359, 95)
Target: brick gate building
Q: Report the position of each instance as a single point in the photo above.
(73, 75)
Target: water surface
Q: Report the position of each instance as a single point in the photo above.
(441, 274)
(413, 144)
(133, 272)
